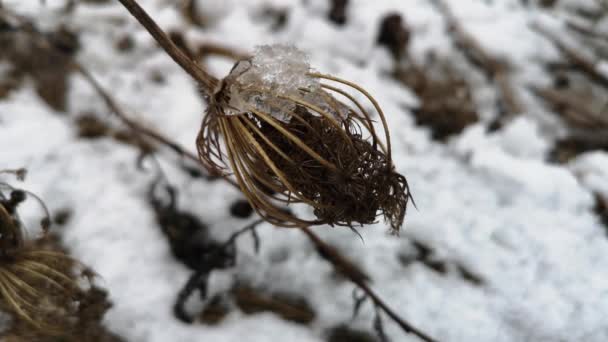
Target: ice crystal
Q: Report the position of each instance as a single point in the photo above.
(271, 80)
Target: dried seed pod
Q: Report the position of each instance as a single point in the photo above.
(288, 137)
(37, 285)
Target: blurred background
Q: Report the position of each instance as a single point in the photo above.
(498, 112)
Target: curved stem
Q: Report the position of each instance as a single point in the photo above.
(360, 279)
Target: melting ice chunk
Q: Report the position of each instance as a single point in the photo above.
(270, 80)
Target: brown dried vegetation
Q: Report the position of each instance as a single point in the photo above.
(446, 101)
(578, 95)
(426, 256)
(41, 286)
(343, 333)
(91, 127)
(288, 306)
(48, 66)
(317, 158)
(394, 35)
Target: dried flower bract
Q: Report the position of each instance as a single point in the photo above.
(37, 285)
(289, 136)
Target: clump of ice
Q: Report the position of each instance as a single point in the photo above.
(271, 80)
(281, 68)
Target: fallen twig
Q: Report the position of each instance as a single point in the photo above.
(494, 68)
(584, 63)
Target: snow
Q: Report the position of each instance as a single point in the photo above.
(602, 68)
(489, 201)
(591, 170)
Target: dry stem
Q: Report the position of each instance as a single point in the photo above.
(132, 124)
(359, 278)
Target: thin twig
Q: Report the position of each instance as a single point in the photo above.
(208, 83)
(585, 63)
(495, 68)
(134, 125)
(250, 227)
(137, 128)
(354, 274)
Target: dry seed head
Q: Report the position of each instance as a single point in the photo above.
(37, 285)
(290, 136)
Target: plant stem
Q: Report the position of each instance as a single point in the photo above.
(132, 124)
(137, 128)
(208, 83)
(361, 280)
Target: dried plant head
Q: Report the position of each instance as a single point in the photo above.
(37, 285)
(40, 287)
(291, 135)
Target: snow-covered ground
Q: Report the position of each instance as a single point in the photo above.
(488, 201)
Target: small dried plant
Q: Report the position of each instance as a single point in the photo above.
(37, 285)
(289, 138)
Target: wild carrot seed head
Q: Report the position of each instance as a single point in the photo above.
(37, 285)
(289, 136)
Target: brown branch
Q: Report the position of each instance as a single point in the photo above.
(584, 63)
(207, 82)
(359, 278)
(495, 68)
